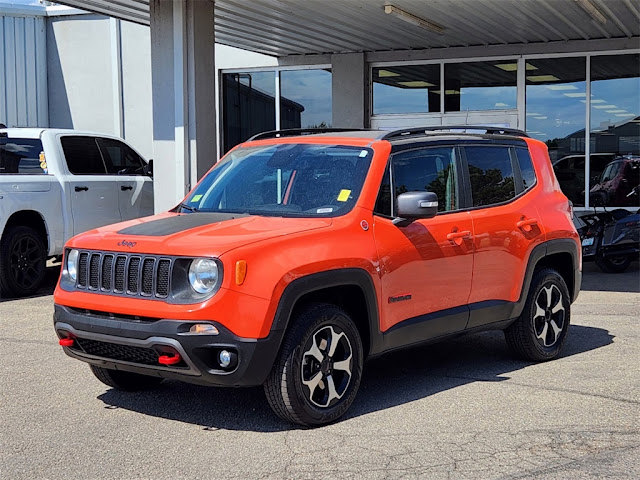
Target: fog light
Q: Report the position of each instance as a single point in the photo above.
(224, 358)
(203, 329)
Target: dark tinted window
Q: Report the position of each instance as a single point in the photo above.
(526, 167)
(428, 170)
(383, 202)
(491, 175)
(21, 155)
(120, 158)
(83, 156)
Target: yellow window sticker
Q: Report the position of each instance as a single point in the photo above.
(196, 198)
(343, 196)
(43, 162)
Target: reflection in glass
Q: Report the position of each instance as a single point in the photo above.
(249, 105)
(406, 89)
(555, 109)
(305, 98)
(480, 86)
(615, 130)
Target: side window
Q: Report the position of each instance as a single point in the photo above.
(526, 167)
(119, 157)
(83, 156)
(21, 156)
(491, 175)
(428, 170)
(383, 202)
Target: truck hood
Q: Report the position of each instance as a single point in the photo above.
(192, 234)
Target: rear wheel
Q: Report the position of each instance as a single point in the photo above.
(122, 380)
(616, 264)
(317, 374)
(22, 261)
(540, 331)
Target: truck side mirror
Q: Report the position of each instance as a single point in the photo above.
(148, 168)
(415, 205)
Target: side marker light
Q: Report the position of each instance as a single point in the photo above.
(241, 271)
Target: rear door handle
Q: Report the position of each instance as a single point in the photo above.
(81, 189)
(526, 225)
(458, 237)
(125, 187)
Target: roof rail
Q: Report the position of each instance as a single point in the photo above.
(292, 132)
(449, 129)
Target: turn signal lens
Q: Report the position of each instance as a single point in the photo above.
(203, 329)
(241, 271)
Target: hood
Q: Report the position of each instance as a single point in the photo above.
(192, 234)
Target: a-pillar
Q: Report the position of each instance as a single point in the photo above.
(349, 80)
(183, 78)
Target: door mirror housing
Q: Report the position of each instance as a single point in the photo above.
(148, 168)
(415, 205)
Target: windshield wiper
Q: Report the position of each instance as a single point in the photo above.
(189, 208)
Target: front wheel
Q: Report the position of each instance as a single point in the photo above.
(22, 261)
(617, 264)
(540, 331)
(318, 371)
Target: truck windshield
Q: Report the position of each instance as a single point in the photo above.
(296, 180)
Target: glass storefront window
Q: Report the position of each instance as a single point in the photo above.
(406, 89)
(614, 167)
(480, 86)
(249, 105)
(555, 112)
(305, 98)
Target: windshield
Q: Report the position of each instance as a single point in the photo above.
(297, 180)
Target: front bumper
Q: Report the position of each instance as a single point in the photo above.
(131, 344)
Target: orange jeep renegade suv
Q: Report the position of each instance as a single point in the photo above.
(301, 254)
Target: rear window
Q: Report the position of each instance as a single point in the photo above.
(83, 156)
(21, 156)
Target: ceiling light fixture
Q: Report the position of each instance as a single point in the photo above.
(592, 10)
(413, 19)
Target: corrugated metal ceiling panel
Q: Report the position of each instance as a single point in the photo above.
(293, 27)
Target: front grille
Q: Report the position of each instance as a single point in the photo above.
(114, 351)
(123, 274)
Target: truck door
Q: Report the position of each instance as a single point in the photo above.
(92, 193)
(135, 188)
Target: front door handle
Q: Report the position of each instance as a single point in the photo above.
(459, 236)
(81, 189)
(125, 187)
(527, 225)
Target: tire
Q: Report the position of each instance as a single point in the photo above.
(540, 331)
(616, 264)
(122, 380)
(305, 385)
(22, 262)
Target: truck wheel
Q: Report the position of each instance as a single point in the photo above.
(22, 261)
(613, 264)
(317, 374)
(541, 329)
(122, 380)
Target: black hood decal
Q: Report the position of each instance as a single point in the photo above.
(178, 223)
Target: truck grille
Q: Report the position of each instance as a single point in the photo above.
(124, 274)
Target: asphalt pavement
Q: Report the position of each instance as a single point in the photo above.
(460, 409)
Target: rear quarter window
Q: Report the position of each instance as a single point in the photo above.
(21, 156)
(526, 167)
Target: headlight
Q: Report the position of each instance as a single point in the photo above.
(203, 275)
(72, 264)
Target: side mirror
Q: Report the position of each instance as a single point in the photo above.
(414, 205)
(148, 168)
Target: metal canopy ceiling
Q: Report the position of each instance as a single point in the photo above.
(297, 27)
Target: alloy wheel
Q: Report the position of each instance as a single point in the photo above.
(549, 317)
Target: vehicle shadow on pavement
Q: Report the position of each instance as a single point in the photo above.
(48, 284)
(393, 379)
(593, 279)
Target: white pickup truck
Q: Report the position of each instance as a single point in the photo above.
(55, 184)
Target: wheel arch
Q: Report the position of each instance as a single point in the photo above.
(32, 219)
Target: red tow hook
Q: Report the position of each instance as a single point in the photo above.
(66, 342)
(167, 360)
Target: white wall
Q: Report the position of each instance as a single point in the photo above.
(23, 71)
